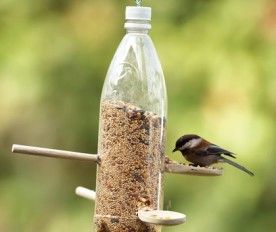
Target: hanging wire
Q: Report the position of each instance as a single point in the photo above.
(138, 2)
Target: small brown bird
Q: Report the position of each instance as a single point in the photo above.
(203, 153)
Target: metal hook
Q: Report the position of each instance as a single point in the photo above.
(138, 2)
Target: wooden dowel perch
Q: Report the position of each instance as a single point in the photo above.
(170, 165)
(86, 193)
(54, 153)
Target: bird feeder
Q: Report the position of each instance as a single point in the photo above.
(145, 217)
(131, 159)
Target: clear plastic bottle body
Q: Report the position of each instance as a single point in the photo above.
(135, 74)
(132, 135)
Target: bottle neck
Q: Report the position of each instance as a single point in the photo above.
(137, 26)
(139, 31)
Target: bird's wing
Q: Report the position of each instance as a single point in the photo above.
(202, 152)
(216, 150)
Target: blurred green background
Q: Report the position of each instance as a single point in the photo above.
(219, 60)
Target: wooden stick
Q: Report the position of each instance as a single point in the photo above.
(86, 193)
(54, 153)
(174, 167)
(170, 166)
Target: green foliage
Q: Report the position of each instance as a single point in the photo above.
(219, 62)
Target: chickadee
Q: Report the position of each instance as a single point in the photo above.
(203, 153)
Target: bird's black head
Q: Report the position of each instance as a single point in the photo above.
(184, 140)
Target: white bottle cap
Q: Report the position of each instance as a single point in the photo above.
(138, 13)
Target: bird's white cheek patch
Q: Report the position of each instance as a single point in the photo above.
(191, 144)
(194, 142)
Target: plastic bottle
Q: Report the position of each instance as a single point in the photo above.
(132, 131)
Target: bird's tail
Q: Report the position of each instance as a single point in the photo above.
(223, 159)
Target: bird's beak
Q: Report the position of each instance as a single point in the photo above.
(176, 149)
